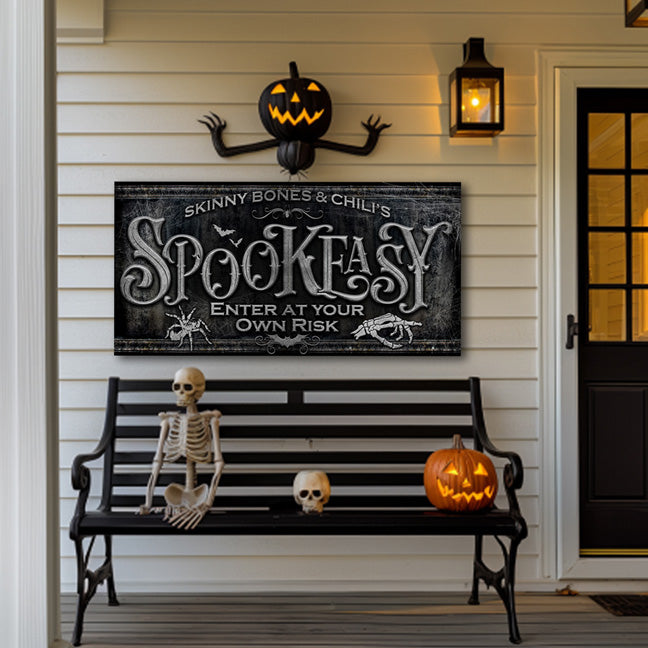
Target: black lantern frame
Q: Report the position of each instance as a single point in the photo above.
(636, 13)
(476, 78)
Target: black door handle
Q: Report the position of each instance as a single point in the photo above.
(572, 330)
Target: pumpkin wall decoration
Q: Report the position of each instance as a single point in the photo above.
(297, 112)
(460, 479)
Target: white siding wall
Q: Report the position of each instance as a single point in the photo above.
(128, 110)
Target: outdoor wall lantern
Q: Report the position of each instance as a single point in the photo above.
(476, 94)
(636, 13)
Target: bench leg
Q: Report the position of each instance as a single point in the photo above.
(88, 580)
(110, 579)
(503, 581)
(474, 594)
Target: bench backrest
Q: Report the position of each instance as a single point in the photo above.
(372, 438)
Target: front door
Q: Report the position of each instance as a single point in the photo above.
(612, 150)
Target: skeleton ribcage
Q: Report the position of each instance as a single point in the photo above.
(190, 437)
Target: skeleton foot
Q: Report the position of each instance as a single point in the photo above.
(399, 328)
(185, 517)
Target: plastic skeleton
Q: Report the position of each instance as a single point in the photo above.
(373, 327)
(194, 436)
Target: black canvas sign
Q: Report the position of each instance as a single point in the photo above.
(297, 268)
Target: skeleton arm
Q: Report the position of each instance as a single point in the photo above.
(219, 463)
(157, 464)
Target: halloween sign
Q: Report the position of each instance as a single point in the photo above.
(297, 112)
(301, 268)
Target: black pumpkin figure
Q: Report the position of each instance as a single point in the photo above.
(296, 112)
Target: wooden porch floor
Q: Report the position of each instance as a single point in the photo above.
(394, 620)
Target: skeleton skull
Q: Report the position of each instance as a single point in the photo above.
(312, 490)
(188, 386)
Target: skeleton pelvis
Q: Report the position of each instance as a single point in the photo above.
(177, 495)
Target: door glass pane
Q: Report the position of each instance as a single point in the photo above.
(606, 200)
(640, 201)
(607, 257)
(606, 141)
(607, 315)
(640, 315)
(640, 257)
(639, 141)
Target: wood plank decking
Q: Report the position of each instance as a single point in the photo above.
(390, 620)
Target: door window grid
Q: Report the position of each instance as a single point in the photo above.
(617, 227)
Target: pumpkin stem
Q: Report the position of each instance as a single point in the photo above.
(294, 74)
(457, 443)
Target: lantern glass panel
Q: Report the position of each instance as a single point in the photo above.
(453, 102)
(480, 101)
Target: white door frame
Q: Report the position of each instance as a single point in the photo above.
(560, 74)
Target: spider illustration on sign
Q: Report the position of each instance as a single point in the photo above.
(185, 327)
(297, 112)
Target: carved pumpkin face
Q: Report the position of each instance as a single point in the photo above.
(460, 479)
(295, 108)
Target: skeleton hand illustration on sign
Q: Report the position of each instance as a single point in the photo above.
(193, 435)
(186, 327)
(399, 327)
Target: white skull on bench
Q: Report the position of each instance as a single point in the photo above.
(312, 490)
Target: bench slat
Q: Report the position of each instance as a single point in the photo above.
(451, 385)
(299, 458)
(309, 409)
(386, 522)
(301, 431)
(258, 479)
(286, 502)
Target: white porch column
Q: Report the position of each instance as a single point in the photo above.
(28, 456)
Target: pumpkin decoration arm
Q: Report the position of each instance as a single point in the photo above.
(374, 129)
(216, 127)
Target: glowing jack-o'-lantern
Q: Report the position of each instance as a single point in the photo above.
(296, 108)
(296, 112)
(460, 479)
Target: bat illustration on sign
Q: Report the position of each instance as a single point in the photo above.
(224, 232)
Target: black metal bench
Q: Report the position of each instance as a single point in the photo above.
(377, 491)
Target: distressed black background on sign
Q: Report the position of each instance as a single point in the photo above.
(145, 329)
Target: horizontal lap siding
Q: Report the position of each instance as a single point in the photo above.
(128, 110)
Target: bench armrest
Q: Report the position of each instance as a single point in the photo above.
(80, 473)
(513, 470)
